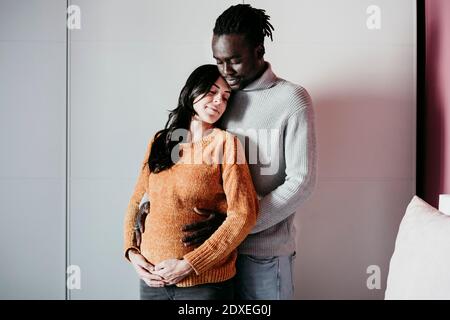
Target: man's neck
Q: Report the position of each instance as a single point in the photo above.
(262, 69)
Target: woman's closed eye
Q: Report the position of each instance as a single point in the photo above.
(224, 97)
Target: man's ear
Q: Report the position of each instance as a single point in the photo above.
(260, 50)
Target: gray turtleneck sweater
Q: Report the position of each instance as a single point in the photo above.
(274, 120)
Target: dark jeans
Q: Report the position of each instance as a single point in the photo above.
(210, 291)
(264, 278)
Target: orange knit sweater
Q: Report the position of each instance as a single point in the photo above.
(211, 174)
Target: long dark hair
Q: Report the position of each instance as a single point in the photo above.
(199, 83)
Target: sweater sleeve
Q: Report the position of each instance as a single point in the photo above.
(242, 210)
(300, 156)
(140, 188)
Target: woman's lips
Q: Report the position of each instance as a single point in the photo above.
(212, 110)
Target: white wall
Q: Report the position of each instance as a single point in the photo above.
(126, 67)
(32, 144)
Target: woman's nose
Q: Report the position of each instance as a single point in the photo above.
(217, 99)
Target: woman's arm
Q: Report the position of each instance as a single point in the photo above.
(242, 210)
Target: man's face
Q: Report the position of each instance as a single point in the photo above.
(237, 60)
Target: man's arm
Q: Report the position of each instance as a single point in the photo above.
(197, 232)
(139, 226)
(300, 156)
(133, 205)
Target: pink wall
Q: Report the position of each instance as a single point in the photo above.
(437, 161)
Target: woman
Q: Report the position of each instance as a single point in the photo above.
(209, 171)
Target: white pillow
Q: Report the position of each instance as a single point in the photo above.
(420, 265)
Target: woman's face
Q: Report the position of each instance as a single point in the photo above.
(212, 105)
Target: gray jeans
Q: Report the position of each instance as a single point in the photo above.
(264, 278)
(208, 291)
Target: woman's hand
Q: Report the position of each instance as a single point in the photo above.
(173, 270)
(144, 269)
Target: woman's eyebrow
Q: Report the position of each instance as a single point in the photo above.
(215, 85)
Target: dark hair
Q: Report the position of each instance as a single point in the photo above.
(244, 19)
(198, 83)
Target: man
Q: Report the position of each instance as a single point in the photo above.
(275, 120)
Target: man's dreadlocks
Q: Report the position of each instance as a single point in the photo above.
(244, 19)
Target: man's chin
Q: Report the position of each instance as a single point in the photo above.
(235, 86)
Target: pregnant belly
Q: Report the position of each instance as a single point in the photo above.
(162, 241)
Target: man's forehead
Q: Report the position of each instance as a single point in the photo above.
(228, 46)
(226, 55)
(229, 36)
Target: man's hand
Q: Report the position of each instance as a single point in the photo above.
(145, 269)
(139, 227)
(173, 270)
(198, 232)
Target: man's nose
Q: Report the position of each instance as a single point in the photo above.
(227, 69)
